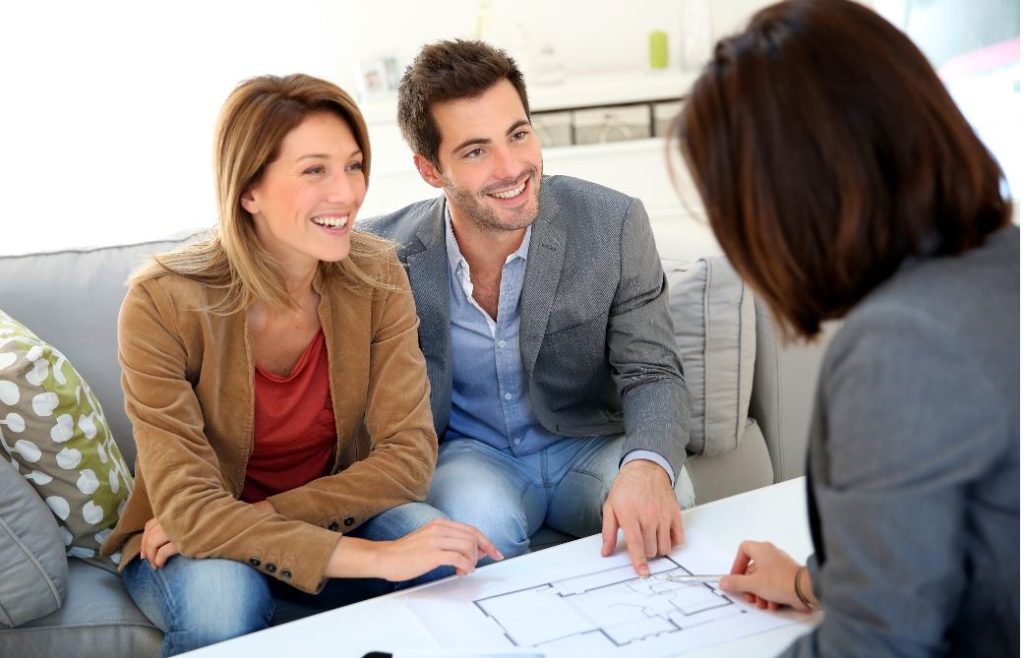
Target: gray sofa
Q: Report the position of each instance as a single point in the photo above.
(71, 299)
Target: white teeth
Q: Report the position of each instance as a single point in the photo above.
(333, 222)
(514, 192)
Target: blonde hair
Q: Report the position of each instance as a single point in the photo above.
(253, 123)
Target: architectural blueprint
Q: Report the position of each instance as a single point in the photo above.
(570, 601)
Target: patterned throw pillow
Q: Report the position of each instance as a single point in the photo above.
(53, 431)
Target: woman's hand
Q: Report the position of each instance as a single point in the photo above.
(157, 547)
(766, 575)
(438, 543)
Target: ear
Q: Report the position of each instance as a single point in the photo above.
(428, 172)
(248, 202)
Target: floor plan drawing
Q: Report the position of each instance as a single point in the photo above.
(614, 606)
(569, 601)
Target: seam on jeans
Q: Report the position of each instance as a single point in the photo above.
(522, 493)
(596, 476)
(172, 622)
(522, 505)
(545, 481)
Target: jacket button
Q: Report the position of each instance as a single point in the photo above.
(271, 567)
(254, 562)
(334, 526)
(287, 575)
(349, 521)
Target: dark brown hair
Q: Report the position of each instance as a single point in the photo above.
(444, 71)
(826, 151)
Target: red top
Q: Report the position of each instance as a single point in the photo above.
(293, 434)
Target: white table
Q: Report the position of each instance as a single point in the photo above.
(777, 513)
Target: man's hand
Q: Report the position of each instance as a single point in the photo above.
(643, 504)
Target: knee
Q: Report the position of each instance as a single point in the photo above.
(228, 601)
(501, 520)
(218, 621)
(217, 625)
(398, 522)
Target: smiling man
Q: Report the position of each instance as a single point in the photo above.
(556, 388)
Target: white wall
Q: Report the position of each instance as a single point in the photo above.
(108, 106)
(107, 109)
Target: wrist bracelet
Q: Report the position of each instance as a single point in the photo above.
(800, 593)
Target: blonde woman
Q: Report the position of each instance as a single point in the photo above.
(276, 389)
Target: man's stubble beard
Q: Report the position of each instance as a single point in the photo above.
(481, 214)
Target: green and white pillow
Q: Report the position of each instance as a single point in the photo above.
(53, 431)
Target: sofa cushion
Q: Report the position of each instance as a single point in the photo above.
(53, 428)
(33, 567)
(713, 315)
(70, 299)
(98, 620)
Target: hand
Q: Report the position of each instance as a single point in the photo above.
(157, 547)
(438, 543)
(643, 504)
(765, 575)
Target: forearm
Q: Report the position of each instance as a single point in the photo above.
(354, 558)
(655, 418)
(362, 490)
(653, 457)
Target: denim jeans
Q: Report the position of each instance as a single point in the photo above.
(508, 497)
(200, 602)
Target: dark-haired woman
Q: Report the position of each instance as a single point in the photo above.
(842, 182)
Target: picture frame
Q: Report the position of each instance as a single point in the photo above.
(378, 77)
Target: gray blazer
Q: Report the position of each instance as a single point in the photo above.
(596, 337)
(915, 464)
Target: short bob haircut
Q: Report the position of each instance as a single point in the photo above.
(445, 71)
(253, 122)
(827, 151)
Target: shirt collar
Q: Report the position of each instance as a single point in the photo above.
(455, 258)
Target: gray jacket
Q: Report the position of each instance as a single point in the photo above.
(915, 464)
(596, 337)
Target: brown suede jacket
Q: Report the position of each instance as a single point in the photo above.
(188, 386)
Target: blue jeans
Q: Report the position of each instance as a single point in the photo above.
(200, 602)
(508, 498)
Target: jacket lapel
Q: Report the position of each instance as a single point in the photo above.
(543, 272)
(428, 277)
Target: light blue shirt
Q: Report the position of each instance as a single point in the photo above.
(490, 398)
